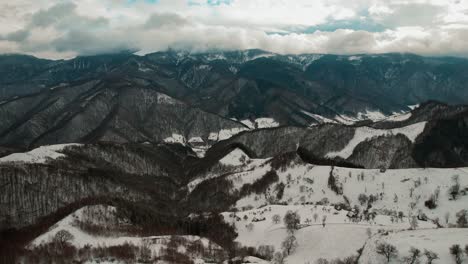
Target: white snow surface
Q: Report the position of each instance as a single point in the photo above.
(196, 140)
(371, 115)
(176, 138)
(399, 117)
(248, 123)
(412, 107)
(344, 119)
(166, 99)
(234, 158)
(320, 119)
(341, 238)
(364, 133)
(81, 238)
(39, 155)
(266, 122)
(242, 163)
(263, 122)
(225, 133)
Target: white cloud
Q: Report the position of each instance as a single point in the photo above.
(60, 28)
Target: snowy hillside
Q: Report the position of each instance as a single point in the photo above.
(364, 133)
(77, 225)
(377, 200)
(38, 155)
(339, 238)
(435, 240)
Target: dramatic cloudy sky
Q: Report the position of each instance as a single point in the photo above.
(65, 28)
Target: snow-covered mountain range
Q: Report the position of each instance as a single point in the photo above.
(233, 157)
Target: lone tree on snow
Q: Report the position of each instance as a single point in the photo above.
(430, 256)
(387, 250)
(455, 189)
(457, 253)
(461, 219)
(362, 199)
(62, 237)
(279, 258)
(289, 244)
(413, 222)
(276, 219)
(291, 221)
(414, 255)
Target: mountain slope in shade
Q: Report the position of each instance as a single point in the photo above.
(256, 84)
(107, 110)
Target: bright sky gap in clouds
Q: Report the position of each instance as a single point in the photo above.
(66, 28)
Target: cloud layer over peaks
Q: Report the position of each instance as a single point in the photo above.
(66, 28)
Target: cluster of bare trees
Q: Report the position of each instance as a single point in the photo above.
(61, 250)
(457, 253)
(415, 255)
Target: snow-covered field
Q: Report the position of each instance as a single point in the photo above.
(404, 190)
(240, 162)
(395, 191)
(81, 238)
(38, 155)
(436, 240)
(339, 238)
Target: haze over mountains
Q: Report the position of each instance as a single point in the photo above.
(210, 146)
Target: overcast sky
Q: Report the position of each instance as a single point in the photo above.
(66, 28)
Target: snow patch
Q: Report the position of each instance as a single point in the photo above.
(248, 123)
(196, 140)
(224, 134)
(233, 69)
(399, 117)
(354, 58)
(364, 133)
(412, 107)
(175, 138)
(81, 238)
(371, 115)
(237, 157)
(266, 122)
(166, 99)
(347, 120)
(319, 118)
(204, 67)
(42, 154)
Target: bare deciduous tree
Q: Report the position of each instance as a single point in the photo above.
(62, 237)
(289, 244)
(457, 253)
(430, 256)
(276, 219)
(387, 250)
(291, 221)
(413, 257)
